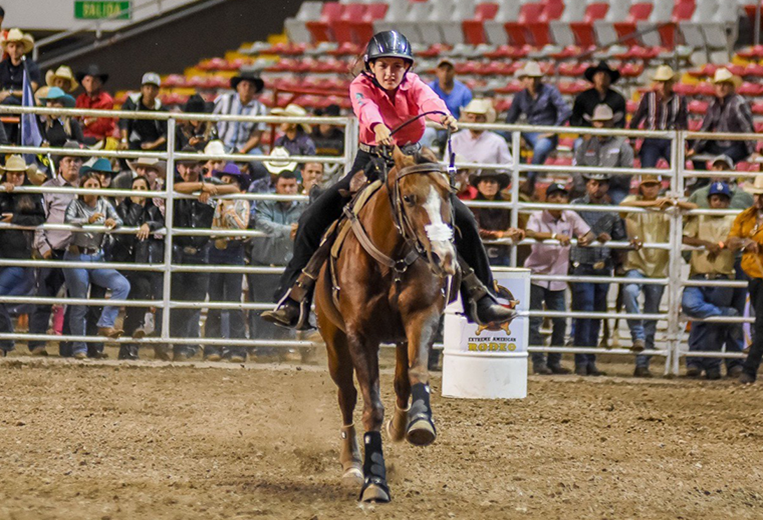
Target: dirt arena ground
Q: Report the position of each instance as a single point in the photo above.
(109, 440)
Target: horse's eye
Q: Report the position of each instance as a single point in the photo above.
(409, 199)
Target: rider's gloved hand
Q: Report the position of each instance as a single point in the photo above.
(449, 122)
(382, 135)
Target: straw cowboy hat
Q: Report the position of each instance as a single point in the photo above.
(16, 163)
(664, 73)
(293, 110)
(602, 112)
(15, 35)
(62, 72)
(280, 162)
(754, 188)
(480, 106)
(160, 167)
(614, 75)
(724, 75)
(531, 69)
(501, 177)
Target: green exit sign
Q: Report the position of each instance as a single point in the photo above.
(97, 10)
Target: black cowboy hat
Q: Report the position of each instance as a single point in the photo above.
(195, 105)
(614, 75)
(500, 176)
(248, 76)
(92, 70)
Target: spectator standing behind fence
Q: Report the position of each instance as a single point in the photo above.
(312, 179)
(653, 226)
(454, 93)
(142, 248)
(593, 261)
(278, 219)
(715, 262)
(192, 132)
(20, 209)
(660, 109)
(481, 146)
(605, 151)
(747, 236)
(328, 139)
(95, 98)
(51, 245)
(56, 130)
(239, 136)
(230, 215)
(144, 134)
(196, 213)
(495, 223)
(728, 113)
(540, 105)
(88, 247)
(16, 45)
(602, 77)
(296, 136)
(548, 259)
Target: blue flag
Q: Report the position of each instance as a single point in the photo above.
(30, 131)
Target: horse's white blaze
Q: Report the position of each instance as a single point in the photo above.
(438, 232)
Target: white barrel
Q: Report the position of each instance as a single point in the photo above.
(482, 363)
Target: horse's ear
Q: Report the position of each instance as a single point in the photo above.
(400, 158)
(429, 155)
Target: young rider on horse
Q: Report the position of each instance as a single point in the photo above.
(385, 95)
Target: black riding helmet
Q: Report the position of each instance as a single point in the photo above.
(388, 44)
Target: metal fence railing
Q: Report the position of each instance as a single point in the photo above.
(671, 346)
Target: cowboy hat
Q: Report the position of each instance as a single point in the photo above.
(215, 147)
(754, 188)
(15, 35)
(160, 167)
(480, 106)
(63, 72)
(16, 163)
(195, 105)
(233, 170)
(293, 110)
(602, 112)
(590, 176)
(277, 166)
(92, 70)
(614, 75)
(664, 73)
(191, 150)
(100, 165)
(650, 179)
(248, 76)
(58, 95)
(724, 75)
(501, 177)
(531, 69)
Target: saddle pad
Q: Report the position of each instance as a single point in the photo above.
(345, 226)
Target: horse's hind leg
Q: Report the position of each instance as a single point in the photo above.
(340, 367)
(396, 427)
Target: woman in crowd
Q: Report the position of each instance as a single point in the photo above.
(21, 209)
(296, 136)
(141, 248)
(191, 132)
(56, 130)
(88, 247)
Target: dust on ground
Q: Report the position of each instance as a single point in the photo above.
(109, 440)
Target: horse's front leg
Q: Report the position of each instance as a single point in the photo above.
(397, 426)
(365, 356)
(420, 331)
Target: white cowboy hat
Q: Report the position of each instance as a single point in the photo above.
(602, 112)
(16, 163)
(531, 69)
(480, 106)
(724, 75)
(62, 72)
(277, 166)
(664, 73)
(293, 110)
(754, 188)
(16, 35)
(215, 147)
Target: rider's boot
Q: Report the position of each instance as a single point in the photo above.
(480, 306)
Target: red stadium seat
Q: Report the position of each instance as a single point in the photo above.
(697, 107)
(474, 29)
(342, 28)
(638, 12)
(757, 108)
(539, 30)
(528, 14)
(750, 89)
(583, 31)
(685, 89)
(631, 106)
(364, 29)
(321, 29)
(682, 11)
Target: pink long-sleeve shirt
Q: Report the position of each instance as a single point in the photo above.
(372, 105)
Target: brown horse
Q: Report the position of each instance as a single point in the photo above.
(392, 277)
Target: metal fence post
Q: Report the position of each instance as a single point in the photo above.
(515, 155)
(168, 224)
(351, 133)
(674, 265)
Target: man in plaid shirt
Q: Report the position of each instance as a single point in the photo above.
(593, 261)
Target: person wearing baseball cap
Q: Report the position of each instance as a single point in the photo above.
(593, 261)
(728, 113)
(540, 105)
(605, 151)
(144, 134)
(660, 109)
(455, 93)
(715, 261)
(740, 199)
(559, 226)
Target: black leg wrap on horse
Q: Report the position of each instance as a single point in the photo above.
(374, 469)
(421, 430)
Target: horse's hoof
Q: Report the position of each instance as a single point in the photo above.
(421, 433)
(394, 435)
(352, 477)
(375, 493)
